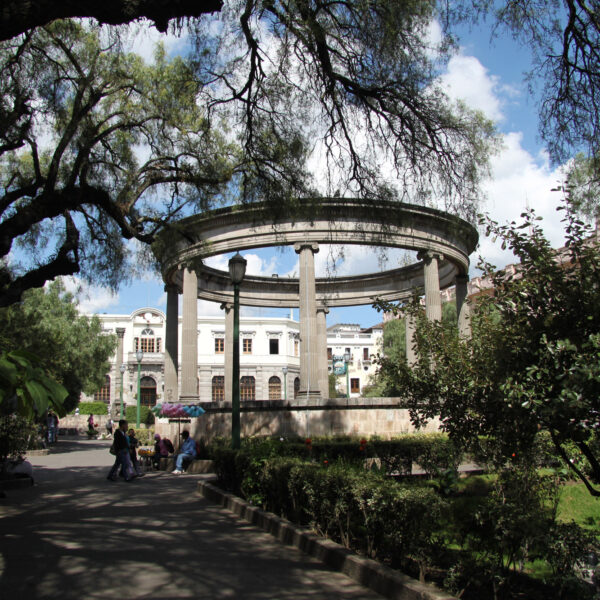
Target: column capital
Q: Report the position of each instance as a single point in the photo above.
(120, 332)
(171, 289)
(226, 306)
(461, 279)
(323, 309)
(428, 255)
(299, 246)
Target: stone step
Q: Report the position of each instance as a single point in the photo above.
(197, 466)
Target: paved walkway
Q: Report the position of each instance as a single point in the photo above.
(77, 535)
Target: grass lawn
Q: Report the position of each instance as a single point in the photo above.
(577, 504)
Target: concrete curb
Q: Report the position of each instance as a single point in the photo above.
(381, 579)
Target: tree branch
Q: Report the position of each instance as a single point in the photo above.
(18, 16)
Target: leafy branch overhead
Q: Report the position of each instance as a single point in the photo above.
(25, 388)
(98, 147)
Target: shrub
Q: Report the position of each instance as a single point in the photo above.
(93, 408)
(16, 433)
(144, 436)
(361, 510)
(146, 415)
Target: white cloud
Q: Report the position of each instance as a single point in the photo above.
(519, 182)
(92, 299)
(146, 37)
(468, 80)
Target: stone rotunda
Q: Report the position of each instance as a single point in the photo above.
(443, 242)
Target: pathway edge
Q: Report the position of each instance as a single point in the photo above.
(377, 577)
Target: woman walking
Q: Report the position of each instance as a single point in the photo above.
(123, 458)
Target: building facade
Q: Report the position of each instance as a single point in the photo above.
(270, 349)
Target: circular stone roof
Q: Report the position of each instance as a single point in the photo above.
(322, 221)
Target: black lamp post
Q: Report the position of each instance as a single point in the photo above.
(237, 270)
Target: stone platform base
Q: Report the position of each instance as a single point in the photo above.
(196, 466)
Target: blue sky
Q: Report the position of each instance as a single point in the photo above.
(487, 76)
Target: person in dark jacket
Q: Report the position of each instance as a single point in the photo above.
(123, 459)
(133, 445)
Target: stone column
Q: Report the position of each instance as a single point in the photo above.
(189, 338)
(309, 351)
(172, 344)
(433, 300)
(322, 312)
(120, 360)
(205, 383)
(228, 308)
(462, 306)
(411, 357)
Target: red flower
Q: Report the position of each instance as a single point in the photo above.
(513, 454)
(363, 442)
(308, 441)
(326, 462)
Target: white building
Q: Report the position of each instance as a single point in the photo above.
(360, 346)
(269, 357)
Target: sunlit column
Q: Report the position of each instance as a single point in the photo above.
(189, 338)
(322, 312)
(228, 308)
(309, 344)
(171, 344)
(462, 306)
(433, 300)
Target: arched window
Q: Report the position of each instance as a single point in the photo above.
(218, 388)
(103, 394)
(274, 388)
(247, 388)
(147, 342)
(147, 391)
(296, 386)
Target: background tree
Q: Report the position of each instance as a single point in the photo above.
(71, 349)
(97, 147)
(531, 364)
(384, 382)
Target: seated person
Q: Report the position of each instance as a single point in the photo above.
(187, 451)
(162, 448)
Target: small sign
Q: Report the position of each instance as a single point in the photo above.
(339, 365)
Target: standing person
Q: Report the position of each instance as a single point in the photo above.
(90, 422)
(133, 444)
(109, 427)
(51, 422)
(187, 451)
(123, 459)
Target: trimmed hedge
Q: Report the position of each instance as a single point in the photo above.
(93, 408)
(434, 452)
(146, 415)
(144, 436)
(362, 510)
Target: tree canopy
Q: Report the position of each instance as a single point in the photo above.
(531, 364)
(98, 147)
(71, 349)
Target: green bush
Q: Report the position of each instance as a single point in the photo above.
(360, 509)
(93, 408)
(144, 436)
(16, 435)
(146, 415)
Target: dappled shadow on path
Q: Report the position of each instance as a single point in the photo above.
(78, 535)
